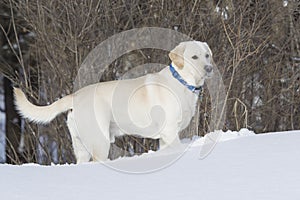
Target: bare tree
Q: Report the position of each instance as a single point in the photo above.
(255, 45)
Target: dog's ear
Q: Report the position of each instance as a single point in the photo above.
(207, 47)
(176, 55)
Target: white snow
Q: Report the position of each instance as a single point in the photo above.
(241, 166)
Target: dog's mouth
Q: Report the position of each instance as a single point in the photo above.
(209, 74)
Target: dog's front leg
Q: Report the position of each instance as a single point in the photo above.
(169, 139)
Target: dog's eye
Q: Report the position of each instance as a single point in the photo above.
(207, 56)
(195, 57)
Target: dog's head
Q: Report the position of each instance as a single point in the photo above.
(193, 61)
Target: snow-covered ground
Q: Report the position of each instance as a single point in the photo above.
(241, 166)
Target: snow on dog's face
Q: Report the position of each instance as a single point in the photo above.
(193, 60)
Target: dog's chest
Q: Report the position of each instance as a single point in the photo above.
(188, 109)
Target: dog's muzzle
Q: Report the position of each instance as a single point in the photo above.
(208, 68)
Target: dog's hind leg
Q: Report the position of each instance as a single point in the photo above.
(101, 152)
(82, 155)
(101, 137)
(81, 152)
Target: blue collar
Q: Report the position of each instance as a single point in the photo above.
(192, 88)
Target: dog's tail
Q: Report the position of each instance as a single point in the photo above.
(41, 114)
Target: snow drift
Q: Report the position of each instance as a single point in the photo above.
(241, 166)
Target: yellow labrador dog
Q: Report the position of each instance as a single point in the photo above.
(157, 105)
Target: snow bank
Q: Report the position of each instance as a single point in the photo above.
(241, 166)
(223, 136)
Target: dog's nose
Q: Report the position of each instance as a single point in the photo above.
(208, 68)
